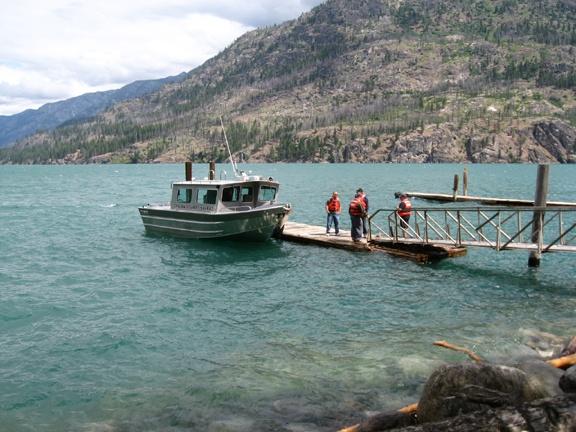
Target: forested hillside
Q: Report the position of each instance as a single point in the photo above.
(358, 80)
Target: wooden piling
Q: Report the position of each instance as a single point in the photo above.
(188, 170)
(537, 225)
(465, 182)
(455, 187)
(212, 171)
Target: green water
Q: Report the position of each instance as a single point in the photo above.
(104, 328)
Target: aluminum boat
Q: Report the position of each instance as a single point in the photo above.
(244, 207)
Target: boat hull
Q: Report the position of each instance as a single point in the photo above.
(256, 224)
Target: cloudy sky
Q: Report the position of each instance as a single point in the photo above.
(52, 50)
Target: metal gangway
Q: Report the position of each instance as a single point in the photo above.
(540, 229)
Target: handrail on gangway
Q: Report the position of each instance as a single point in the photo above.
(499, 228)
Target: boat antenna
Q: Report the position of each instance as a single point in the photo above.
(232, 161)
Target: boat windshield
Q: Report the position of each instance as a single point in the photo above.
(207, 196)
(231, 194)
(184, 196)
(247, 193)
(267, 193)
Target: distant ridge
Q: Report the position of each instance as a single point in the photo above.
(52, 115)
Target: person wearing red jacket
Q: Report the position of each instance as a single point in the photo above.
(333, 210)
(366, 207)
(404, 210)
(357, 211)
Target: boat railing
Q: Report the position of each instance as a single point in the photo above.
(542, 229)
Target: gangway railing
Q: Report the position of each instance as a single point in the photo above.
(499, 228)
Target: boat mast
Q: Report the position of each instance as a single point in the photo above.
(232, 161)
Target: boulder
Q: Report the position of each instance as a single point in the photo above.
(568, 380)
(444, 394)
(569, 348)
(544, 415)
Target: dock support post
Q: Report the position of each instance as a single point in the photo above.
(539, 201)
(465, 182)
(188, 169)
(455, 187)
(212, 171)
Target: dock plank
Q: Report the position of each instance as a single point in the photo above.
(313, 234)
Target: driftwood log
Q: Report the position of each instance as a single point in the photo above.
(470, 353)
(563, 362)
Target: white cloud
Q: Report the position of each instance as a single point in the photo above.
(56, 49)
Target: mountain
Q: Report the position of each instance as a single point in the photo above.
(361, 81)
(52, 115)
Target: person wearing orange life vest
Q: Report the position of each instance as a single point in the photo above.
(365, 218)
(357, 211)
(404, 210)
(333, 210)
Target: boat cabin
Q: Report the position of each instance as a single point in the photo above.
(222, 196)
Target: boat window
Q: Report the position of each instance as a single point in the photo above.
(207, 196)
(247, 193)
(231, 194)
(184, 195)
(267, 193)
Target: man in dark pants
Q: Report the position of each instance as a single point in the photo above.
(357, 211)
(365, 218)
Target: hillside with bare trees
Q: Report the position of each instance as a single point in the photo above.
(357, 81)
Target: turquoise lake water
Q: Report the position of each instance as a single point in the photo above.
(104, 328)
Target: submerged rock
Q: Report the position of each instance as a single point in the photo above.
(543, 343)
(299, 410)
(541, 375)
(302, 427)
(232, 424)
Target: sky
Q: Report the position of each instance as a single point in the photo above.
(52, 50)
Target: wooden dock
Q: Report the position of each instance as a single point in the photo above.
(484, 200)
(312, 234)
(316, 235)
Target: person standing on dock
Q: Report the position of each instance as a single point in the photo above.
(333, 210)
(365, 218)
(404, 210)
(357, 211)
